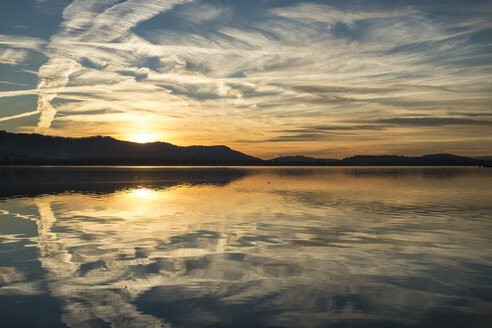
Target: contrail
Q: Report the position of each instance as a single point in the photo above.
(18, 116)
(53, 77)
(87, 21)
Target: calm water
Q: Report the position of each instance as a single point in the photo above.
(245, 247)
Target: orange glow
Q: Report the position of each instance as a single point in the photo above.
(143, 138)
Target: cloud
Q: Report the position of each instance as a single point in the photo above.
(296, 137)
(432, 121)
(53, 76)
(310, 133)
(340, 89)
(202, 12)
(13, 56)
(21, 42)
(328, 14)
(204, 71)
(329, 128)
(88, 21)
(319, 100)
(471, 114)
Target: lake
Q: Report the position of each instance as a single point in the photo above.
(245, 247)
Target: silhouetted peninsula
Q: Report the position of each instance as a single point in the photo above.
(36, 149)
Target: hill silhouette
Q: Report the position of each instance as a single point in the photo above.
(426, 160)
(36, 149)
(382, 160)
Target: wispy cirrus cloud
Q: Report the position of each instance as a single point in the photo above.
(21, 42)
(432, 121)
(203, 71)
(88, 21)
(13, 56)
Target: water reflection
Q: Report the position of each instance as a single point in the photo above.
(238, 247)
(34, 181)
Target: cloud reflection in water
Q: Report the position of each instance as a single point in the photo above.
(314, 247)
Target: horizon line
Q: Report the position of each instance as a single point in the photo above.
(485, 156)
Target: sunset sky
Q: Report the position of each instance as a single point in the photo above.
(265, 77)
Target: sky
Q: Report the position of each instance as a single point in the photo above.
(266, 77)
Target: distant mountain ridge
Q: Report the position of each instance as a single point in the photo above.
(426, 160)
(36, 149)
(384, 160)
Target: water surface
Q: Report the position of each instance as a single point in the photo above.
(245, 247)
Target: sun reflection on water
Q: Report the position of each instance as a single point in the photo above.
(309, 248)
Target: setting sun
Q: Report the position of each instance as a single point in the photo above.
(143, 138)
